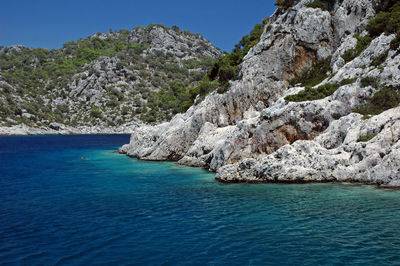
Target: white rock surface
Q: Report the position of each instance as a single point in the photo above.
(376, 161)
(251, 134)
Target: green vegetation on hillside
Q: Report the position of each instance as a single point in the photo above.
(322, 4)
(178, 98)
(387, 21)
(318, 4)
(227, 67)
(31, 69)
(348, 81)
(166, 86)
(311, 94)
(376, 61)
(159, 84)
(362, 43)
(285, 4)
(40, 78)
(369, 81)
(381, 101)
(367, 137)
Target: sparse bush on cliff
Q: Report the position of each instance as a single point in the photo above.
(175, 28)
(381, 101)
(369, 81)
(125, 110)
(380, 59)
(383, 5)
(285, 4)
(227, 67)
(348, 81)
(366, 138)
(311, 94)
(386, 21)
(227, 72)
(222, 89)
(362, 44)
(176, 98)
(95, 112)
(323, 4)
(318, 4)
(395, 43)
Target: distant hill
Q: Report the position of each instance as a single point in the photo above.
(107, 79)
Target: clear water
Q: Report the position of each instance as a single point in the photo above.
(106, 208)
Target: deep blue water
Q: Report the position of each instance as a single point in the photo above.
(57, 208)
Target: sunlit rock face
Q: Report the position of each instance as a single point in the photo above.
(251, 134)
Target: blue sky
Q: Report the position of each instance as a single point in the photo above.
(49, 24)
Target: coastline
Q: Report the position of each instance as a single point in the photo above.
(31, 131)
(347, 181)
(59, 129)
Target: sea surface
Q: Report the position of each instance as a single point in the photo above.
(69, 200)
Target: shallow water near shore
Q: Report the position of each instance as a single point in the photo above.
(71, 200)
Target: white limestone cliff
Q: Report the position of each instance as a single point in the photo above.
(251, 134)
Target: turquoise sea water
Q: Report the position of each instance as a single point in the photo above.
(69, 200)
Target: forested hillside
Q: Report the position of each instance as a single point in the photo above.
(148, 74)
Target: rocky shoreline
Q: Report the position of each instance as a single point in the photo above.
(60, 129)
(252, 134)
(371, 162)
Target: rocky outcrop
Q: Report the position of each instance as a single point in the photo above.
(162, 38)
(251, 134)
(335, 155)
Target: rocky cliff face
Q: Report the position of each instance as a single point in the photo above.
(252, 134)
(104, 80)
